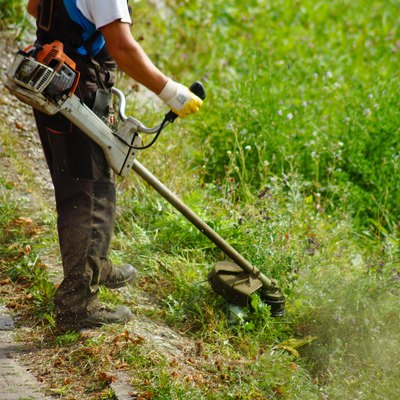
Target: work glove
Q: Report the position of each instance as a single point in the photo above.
(180, 99)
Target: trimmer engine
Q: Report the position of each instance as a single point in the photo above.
(46, 78)
(66, 76)
(47, 74)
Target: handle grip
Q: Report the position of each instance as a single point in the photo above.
(198, 89)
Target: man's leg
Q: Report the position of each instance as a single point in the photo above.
(85, 199)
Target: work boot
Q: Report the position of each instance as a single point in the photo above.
(96, 318)
(117, 276)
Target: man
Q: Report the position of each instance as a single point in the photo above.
(96, 35)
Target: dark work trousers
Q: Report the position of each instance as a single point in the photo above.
(85, 200)
(85, 195)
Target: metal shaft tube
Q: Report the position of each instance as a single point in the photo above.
(199, 223)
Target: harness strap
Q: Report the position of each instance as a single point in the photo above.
(97, 69)
(45, 14)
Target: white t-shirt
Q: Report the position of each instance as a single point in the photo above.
(103, 12)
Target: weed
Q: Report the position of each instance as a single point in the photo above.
(67, 338)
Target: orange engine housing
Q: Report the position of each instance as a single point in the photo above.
(53, 56)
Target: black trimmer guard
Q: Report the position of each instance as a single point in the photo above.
(232, 283)
(236, 285)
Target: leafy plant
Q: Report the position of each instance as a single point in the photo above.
(292, 92)
(13, 16)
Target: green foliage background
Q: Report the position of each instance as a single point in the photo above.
(12, 12)
(303, 85)
(294, 160)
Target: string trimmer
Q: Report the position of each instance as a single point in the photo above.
(46, 79)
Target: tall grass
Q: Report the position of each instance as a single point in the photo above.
(309, 86)
(297, 151)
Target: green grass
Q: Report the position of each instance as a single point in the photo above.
(304, 86)
(293, 160)
(296, 148)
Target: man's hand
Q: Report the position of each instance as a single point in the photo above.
(180, 99)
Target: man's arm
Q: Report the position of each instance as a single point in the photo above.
(32, 7)
(131, 58)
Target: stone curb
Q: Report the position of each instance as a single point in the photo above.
(16, 383)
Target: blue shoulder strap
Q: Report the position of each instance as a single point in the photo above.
(93, 40)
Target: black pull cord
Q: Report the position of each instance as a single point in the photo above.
(197, 88)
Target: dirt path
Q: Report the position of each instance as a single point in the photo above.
(16, 382)
(19, 118)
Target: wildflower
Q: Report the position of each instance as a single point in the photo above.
(280, 112)
(230, 126)
(310, 143)
(290, 116)
(254, 113)
(329, 74)
(248, 148)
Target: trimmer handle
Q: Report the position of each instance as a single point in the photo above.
(198, 89)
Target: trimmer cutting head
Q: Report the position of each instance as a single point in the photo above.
(236, 285)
